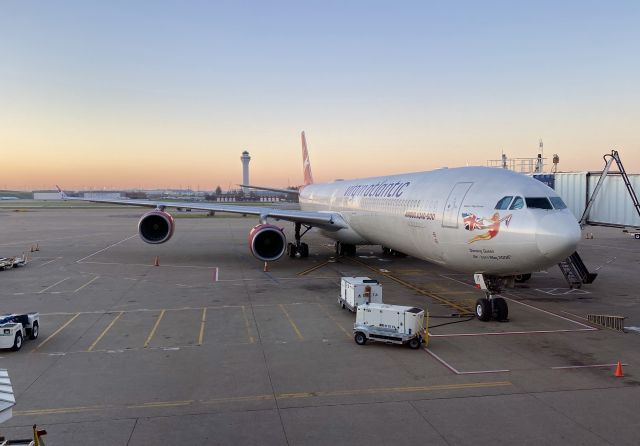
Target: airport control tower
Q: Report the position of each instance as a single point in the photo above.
(245, 158)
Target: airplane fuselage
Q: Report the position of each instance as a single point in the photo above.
(452, 217)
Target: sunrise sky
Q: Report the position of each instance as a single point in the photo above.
(125, 94)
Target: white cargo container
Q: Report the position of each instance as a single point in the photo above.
(356, 291)
(393, 324)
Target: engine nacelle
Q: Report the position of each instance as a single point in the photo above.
(156, 227)
(267, 242)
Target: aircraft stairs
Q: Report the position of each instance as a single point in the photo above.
(609, 159)
(575, 271)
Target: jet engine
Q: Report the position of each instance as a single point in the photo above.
(156, 227)
(267, 242)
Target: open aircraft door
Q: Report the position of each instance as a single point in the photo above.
(453, 205)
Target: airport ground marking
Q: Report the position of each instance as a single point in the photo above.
(202, 323)
(87, 284)
(570, 367)
(347, 334)
(246, 325)
(313, 268)
(265, 397)
(146, 264)
(56, 332)
(153, 330)
(463, 311)
(456, 371)
(104, 332)
(55, 284)
(50, 261)
(104, 249)
(293, 324)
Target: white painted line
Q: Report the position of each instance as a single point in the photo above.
(88, 283)
(456, 371)
(504, 333)
(50, 261)
(216, 274)
(587, 366)
(104, 249)
(143, 264)
(51, 286)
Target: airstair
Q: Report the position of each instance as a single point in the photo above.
(609, 159)
(575, 271)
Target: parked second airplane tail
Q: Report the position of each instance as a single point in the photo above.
(306, 164)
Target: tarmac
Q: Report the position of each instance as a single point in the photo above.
(207, 348)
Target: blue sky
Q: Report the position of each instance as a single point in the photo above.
(145, 93)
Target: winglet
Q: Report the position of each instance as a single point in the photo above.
(306, 164)
(62, 194)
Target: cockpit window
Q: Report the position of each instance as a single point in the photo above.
(538, 203)
(503, 204)
(557, 203)
(518, 203)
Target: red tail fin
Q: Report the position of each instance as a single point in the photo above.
(306, 164)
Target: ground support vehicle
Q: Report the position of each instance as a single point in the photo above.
(391, 324)
(15, 328)
(356, 291)
(12, 262)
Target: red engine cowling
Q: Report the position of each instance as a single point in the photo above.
(267, 242)
(156, 227)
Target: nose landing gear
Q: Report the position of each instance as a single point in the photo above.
(493, 306)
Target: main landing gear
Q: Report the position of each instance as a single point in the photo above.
(298, 247)
(492, 306)
(345, 249)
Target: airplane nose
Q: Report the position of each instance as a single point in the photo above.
(557, 236)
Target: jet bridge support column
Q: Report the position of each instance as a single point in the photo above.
(493, 306)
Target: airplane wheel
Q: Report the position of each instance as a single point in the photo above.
(17, 342)
(501, 309)
(291, 250)
(521, 278)
(483, 309)
(304, 250)
(350, 250)
(360, 338)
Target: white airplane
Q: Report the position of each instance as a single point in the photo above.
(494, 223)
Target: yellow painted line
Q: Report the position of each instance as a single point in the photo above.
(204, 320)
(153, 330)
(293, 324)
(237, 399)
(334, 320)
(462, 310)
(115, 319)
(478, 385)
(313, 268)
(280, 396)
(87, 284)
(59, 410)
(161, 404)
(246, 325)
(56, 332)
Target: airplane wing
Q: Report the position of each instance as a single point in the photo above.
(325, 220)
(272, 189)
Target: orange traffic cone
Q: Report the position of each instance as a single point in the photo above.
(266, 267)
(618, 373)
(157, 261)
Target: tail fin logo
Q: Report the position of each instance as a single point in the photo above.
(306, 164)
